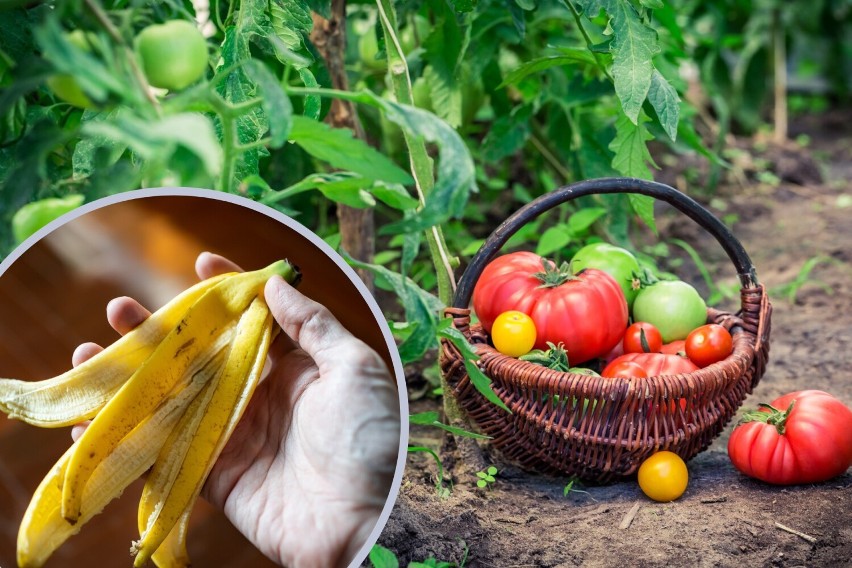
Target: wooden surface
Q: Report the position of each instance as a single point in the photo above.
(53, 298)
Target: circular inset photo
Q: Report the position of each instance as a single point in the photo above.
(192, 377)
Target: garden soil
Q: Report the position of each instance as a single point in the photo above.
(724, 518)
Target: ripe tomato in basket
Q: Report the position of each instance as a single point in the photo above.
(586, 311)
(656, 363)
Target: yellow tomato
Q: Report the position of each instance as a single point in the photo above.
(663, 476)
(513, 333)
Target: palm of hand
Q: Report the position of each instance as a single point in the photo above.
(309, 466)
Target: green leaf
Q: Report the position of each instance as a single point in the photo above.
(393, 195)
(631, 151)
(584, 218)
(444, 49)
(483, 384)
(643, 206)
(341, 150)
(421, 309)
(527, 5)
(158, 140)
(633, 48)
(492, 470)
(275, 102)
(312, 104)
(291, 21)
(554, 239)
(568, 55)
(94, 77)
(507, 135)
(446, 95)
(381, 557)
(663, 97)
(237, 88)
(430, 418)
(88, 148)
(652, 4)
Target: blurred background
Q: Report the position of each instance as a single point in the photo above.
(54, 297)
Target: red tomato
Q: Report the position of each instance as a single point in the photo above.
(658, 363)
(624, 369)
(708, 344)
(586, 312)
(802, 437)
(633, 338)
(675, 348)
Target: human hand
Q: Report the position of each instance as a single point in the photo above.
(309, 466)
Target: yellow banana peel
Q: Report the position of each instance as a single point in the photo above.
(79, 393)
(169, 395)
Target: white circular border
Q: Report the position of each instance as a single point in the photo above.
(319, 243)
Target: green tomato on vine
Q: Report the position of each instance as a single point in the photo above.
(173, 54)
(65, 86)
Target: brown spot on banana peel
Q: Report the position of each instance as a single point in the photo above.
(184, 347)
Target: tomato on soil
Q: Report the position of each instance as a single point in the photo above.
(801, 437)
(663, 476)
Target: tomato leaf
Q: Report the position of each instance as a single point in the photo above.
(381, 557)
(430, 418)
(553, 239)
(275, 102)
(421, 309)
(633, 46)
(290, 21)
(567, 56)
(507, 135)
(631, 152)
(313, 104)
(340, 149)
(584, 218)
(663, 97)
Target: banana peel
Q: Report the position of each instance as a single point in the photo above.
(166, 397)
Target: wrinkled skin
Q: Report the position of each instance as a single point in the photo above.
(309, 467)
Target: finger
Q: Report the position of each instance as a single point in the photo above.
(208, 265)
(310, 324)
(78, 429)
(85, 352)
(124, 314)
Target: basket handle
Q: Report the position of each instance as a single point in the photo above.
(691, 208)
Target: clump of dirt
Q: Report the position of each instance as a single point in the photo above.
(798, 237)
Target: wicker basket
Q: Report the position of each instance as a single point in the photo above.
(602, 429)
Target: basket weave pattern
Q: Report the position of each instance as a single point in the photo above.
(601, 429)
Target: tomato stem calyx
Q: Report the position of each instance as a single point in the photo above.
(555, 358)
(768, 414)
(554, 275)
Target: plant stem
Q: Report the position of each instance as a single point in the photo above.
(422, 167)
(588, 38)
(115, 34)
(357, 226)
(779, 53)
(230, 142)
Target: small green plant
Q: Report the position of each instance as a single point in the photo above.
(486, 478)
(790, 290)
(572, 487)
(381, 557)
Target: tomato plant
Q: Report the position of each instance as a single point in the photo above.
(663, 476)
(642, 337)
(708, 344)
(801, 437)
(615, 261)
(659, 363)
(586, 312)
(513, 333)
(174, 54)
(625, 369)
(673, 306)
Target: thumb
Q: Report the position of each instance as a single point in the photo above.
(308, 323)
